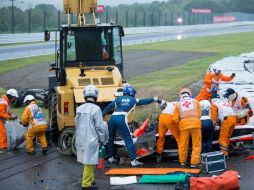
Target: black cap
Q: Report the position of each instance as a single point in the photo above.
(215, 96)
(229, 92)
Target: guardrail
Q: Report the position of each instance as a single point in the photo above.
(39, 37)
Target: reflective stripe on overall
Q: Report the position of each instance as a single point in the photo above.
(37, 128)
(228, 120)
(3, 101)
(3, 135)
(38, 115)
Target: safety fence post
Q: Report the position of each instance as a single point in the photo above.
(151, 19)
(135, 19)
(172, 18)
(12, 17)
(29, 21)
(166, 19)
(185, 17)
(107, 17)
(58, 19)
(126, 19)
(159, 19)
(116, 18)
(144, 18)
(44, 20)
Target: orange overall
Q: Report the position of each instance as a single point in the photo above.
(38, 126)
(188, 111)
(166, 123)
(222, 111)
(5, 113)
(206, 91)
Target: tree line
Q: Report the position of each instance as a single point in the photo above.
(44, 16)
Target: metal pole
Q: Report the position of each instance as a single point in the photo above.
(107, 17)
(116, 18)
(59, 19)
(159, 18)
(29, 21)
(135, 19)
(126, 19)
(144, 18)
(152, 19)
(12, 16)
(44, 20)
(166, 19)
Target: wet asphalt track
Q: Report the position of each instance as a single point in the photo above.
(20, 171)
(136, 63)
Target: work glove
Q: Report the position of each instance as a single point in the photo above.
(23, 125)
(242, 114)
(246, 111)
(250, 113)
(233, 75)
(156, 98)
(214, 89)
(12, 117)
(215, 82)
(163, 104)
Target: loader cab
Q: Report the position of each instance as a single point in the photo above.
(89, 46)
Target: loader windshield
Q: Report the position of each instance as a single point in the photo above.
(93, 44)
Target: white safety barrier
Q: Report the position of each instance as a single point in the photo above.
(243, 67)
(39, 37)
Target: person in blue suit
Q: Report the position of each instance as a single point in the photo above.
(123, 111)
(207, 127)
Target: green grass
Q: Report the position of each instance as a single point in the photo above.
(10, 65)
(13, 64)
(228, 44)
(172, 79)
(167, 82)
(18, 111)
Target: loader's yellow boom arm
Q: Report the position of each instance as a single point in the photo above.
(80, 7)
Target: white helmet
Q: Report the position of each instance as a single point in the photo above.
(91, 91)
(205, 104)
(12, 92)
(184, 93)
(28, 98)
(215, 68)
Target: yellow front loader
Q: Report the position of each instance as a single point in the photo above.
(85, 54)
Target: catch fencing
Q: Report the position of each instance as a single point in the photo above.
(29, 21)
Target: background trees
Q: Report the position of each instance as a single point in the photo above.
(44, 16)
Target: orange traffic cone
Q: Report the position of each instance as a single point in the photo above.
(101, 164)
(138, 132)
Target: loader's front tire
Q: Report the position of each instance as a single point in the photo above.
(53, 117)
(65, 141)
(73, 145)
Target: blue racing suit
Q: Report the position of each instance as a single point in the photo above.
(207, 132)
(122, 107)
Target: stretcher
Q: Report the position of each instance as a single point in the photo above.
(15, 134)
(165, 178)
(149, 171)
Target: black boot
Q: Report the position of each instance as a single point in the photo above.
(158, 158)
(90, 188)
(44, 150)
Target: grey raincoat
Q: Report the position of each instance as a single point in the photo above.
(91, 130)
